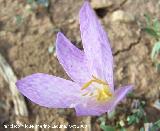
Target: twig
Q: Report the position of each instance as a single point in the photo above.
(88, 123)
(147, 126)
(9, 76)
(36, 123)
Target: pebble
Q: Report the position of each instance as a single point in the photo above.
(98, 4)
(122, 16)
(156, 104)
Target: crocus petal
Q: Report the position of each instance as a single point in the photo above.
(120, 93)
(96, 45)
(72, 59)
(91, 107)
(49, 91)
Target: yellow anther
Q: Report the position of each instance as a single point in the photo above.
(102, 93)
(86, 85)
(99, 81)
(94, 80)
(85, 94)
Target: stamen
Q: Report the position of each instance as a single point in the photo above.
(102, 93)
(96, 80)
(86, 85)
(85, 94)
(99, 81)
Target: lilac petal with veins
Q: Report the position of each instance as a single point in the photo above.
(49, 91)
(96, 45)
(72, 59)
(121, 93)
(91, 107)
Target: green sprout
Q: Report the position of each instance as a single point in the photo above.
(155, 55)
(103, 125)
(142, 129)
(19, 19)
(44, 3)
(138, 115)
(155, 126)
(153, 29)
(30, 1)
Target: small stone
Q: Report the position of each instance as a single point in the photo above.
(51, 49)
(28, 7)
(156, 104)
(121, 123)
(97, 4)
(122, 16)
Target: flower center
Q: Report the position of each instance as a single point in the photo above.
(100, 90)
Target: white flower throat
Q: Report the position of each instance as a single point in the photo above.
(99, 89)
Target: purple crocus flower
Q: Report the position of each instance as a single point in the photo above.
(92, 90)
